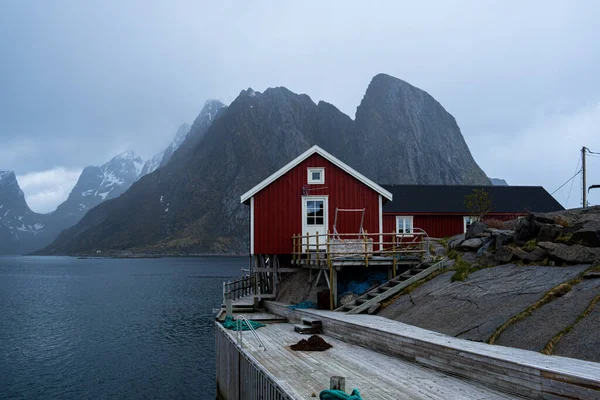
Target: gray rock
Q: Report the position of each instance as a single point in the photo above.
(527, 229)
(470, 257)
(582, 341)
(475, 308)
(476, 228)
(455, 241)
(471, 244)
(575, 254)
(549, 232)
(501, 236)
(538, 254)
(588, 234)
(504, 255)
(484, 248)
(542, 218)
(535, 331)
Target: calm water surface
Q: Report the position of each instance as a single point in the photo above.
(110, 328)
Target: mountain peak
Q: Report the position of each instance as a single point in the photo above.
(126, 155)
(7, 176)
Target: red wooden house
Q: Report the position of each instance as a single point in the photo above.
(440, 210)
(318, 212)
(303, 196)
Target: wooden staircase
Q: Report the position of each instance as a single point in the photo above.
(371, 300)
(308, 326)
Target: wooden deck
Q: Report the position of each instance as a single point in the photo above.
(377, 376)
(521, 372)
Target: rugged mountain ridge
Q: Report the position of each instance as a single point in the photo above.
(192, 204)
(18, 224)
(23, 231)
(162, 158)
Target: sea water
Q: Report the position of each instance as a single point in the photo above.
(110, 328)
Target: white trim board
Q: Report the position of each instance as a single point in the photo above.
(315, 149)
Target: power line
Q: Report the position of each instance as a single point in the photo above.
(572, 182)
(591, 152)
(560, 187)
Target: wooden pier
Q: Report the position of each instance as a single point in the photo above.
(249, 372)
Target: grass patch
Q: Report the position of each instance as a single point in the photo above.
(562, 221)
(549, 348)
(462, 270)
(552, 294)
(444, 243)
(453, 254)
(530, 245)
(565, 238)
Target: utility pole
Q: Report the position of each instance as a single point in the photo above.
(583, 149)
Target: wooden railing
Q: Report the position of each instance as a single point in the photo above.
(234, 290)
(323, 248)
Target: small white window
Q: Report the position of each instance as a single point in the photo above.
(404, 224)
(316, 175)
(467, 221)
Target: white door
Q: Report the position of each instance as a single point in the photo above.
(314, 219)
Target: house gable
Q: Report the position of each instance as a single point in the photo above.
(245, 198)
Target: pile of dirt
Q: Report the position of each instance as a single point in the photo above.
(314, 343)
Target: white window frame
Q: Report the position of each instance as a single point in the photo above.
(465, 219)
(412, 226)
(315, 181)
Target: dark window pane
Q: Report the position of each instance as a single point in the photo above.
(316, 176)
(319, 221)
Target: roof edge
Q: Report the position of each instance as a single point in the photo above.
(335, 161)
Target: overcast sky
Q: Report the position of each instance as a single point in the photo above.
(83, 81)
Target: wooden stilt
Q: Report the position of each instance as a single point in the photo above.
(331, 307)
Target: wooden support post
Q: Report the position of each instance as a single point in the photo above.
(334, 287)
(394, 260)
(337, 383)
(317, 243)
(228, 307)
(294, 249)
(366, 249)
(308, 258)
(330, 273)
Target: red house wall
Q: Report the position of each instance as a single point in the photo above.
(278, 207)
(438, 225)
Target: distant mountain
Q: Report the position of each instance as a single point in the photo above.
(23, 231)
(18, 224)
(95, 185)
(191, 205)
(162, 158)
(207, 114)
(498, 182)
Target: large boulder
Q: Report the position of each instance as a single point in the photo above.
(476, 229)
(501, 237)
(549, 232)
(471, 244)
(588, 234)
(504, 255)
(527, 229)
(575, 254)
(455, 241)
(536, 255)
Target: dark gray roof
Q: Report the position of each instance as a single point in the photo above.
(451, 198)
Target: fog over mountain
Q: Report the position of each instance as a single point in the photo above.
(401, 134)
(82, 82)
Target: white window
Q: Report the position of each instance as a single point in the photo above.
(316, 175)
(404, 224)
(467, 221)
(315, 212)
